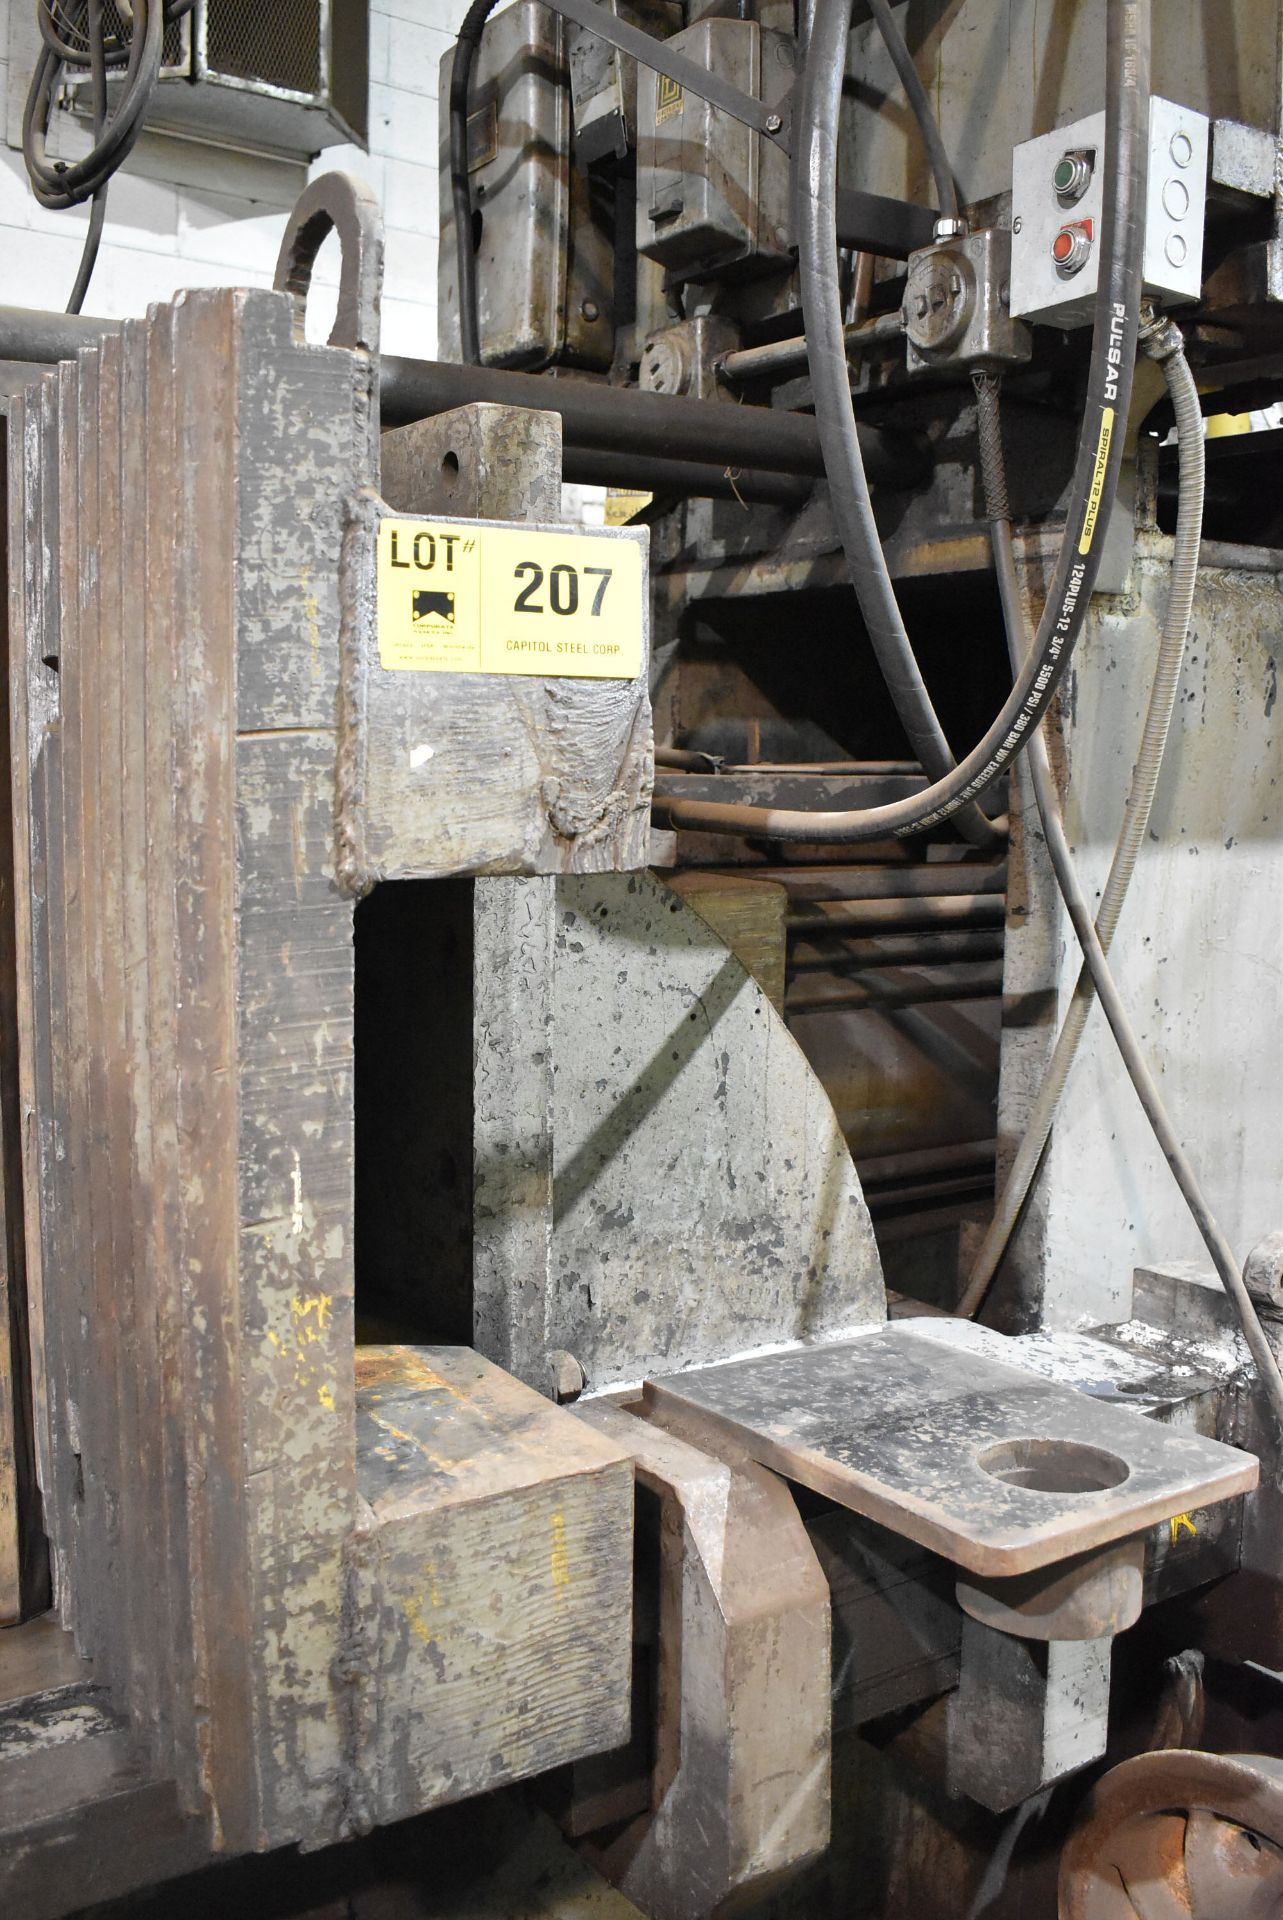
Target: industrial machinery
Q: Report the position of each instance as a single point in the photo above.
(571, 1220)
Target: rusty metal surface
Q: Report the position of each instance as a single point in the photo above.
(1088, 1597)
(339, 203)
(186, 983)
(1179, 1835)
(739, 1784)
(994, 1468)
(23, 1560)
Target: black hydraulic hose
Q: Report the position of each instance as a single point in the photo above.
(1163, 343)
(75, 37)
(816, 224)
(98, 205)
(66, 183)
(1092, 491)
(920, 106)
(465, 54)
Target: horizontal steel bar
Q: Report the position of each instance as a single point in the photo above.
(685, 479)
(622, 422)
(873, 223)
(783, 356)
(923, 913)
(806, 885)
(985, 983)
(627, 423)
(897, 950)
(924, 1163)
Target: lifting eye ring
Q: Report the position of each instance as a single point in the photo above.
(339, 203)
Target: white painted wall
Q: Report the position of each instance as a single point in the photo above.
(182, 214)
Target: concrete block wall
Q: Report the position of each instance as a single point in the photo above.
(182, 214)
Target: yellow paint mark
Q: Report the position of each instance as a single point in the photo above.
(321, 1306)
(326, 1397)
(560, 1559)
(414, 1605)
(1181, 1523)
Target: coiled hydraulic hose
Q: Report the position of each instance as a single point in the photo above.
(1100, 446)
(74, 36)
(1162, 342)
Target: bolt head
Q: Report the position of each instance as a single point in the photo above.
(773, 123)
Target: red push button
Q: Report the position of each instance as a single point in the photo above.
(1071, 247)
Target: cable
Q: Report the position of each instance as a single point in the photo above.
(1162, 341)
(1096, 469)
(73, 39)
(98, 205)
(920, 106)
(823, 322)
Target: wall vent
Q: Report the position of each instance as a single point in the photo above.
(289, 77)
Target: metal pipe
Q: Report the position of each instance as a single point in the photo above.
(913, 950)
(28, 334)
(865, 997)
(928, 912)
(630, 425)
(782, 356)
(896, 880)
(893, 882)
(927, 1194)
(703, 435)
(686, 479)
(924, 1163)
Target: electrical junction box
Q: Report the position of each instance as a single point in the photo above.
(712, 195)
(543, 232)
(1057, 197)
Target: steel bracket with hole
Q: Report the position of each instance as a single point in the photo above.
(1037, 1494)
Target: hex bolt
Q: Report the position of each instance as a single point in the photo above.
(773, 123)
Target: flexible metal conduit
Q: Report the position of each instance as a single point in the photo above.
(1163, 343)
(1096, 469)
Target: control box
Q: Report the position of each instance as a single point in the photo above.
(1057, 197)
(713, 195)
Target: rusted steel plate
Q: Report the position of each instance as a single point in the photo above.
(995, 1469)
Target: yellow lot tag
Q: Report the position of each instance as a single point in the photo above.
(454, 598)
